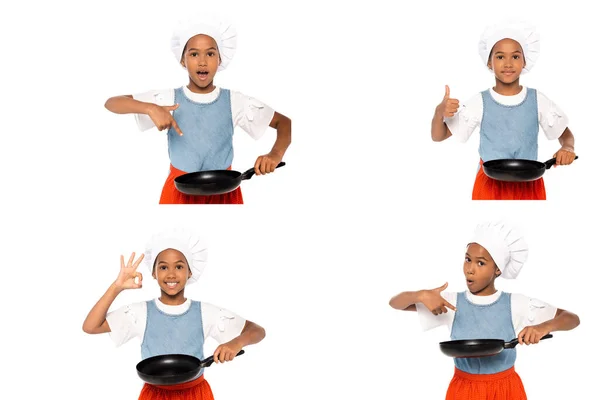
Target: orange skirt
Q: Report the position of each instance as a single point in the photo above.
(486, 188)
(505, 385)
(198, 389)
(170, 194)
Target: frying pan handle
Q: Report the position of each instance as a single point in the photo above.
(209, 360)
(250, 173)
(513, 343)
(552, 161)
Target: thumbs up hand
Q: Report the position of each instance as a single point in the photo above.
(449, 106)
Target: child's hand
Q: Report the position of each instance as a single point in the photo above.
(162, 118)
(227, 351)
(433, 300)
(267, 163)
(564, 156)
(533, 334)
(448, 107)
(128, 274)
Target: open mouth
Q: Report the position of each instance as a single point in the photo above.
(171, 285)
(202, 74)
(470, 282)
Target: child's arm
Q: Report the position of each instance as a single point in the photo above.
(96, 319)
(251, 334)
(562, 321)
(447, 108)
(566, 154)
(267, 163)
(432, 299)
(160, 115)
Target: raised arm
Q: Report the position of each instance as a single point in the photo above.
(447, 108)
(95, 321)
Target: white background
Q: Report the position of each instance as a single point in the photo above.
(367, 206)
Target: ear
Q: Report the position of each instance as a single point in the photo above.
(498, 272)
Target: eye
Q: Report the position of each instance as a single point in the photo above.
(194, 54)
(499, 57)
(481, 263)
(211, 53)
(467, 259)
(162, 267)
(516, 57)
(179, 266)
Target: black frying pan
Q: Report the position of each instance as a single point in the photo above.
(478, 347)
(517, 170)
(172, 369)
(206, 183)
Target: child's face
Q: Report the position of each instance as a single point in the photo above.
(201, 58)
(171, 271)
(507, 61)
(480, 270)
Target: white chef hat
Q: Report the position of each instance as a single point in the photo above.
(190, 245)
(519, 31)
(505, 244)
(222, 32)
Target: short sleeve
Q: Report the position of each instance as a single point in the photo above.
(221, 324)
(127, 322)
(165, 97)
(250, 114)
(429, 321)
(551, 118)
(527, 311)
(467, 119)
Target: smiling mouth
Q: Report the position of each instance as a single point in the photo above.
(171, 285)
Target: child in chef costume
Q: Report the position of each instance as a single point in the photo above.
(176, 259)
(200, 117)
(482, 312)
(508, 115)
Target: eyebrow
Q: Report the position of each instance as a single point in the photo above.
(483, 258)
(164, 262)
(210, 48)
(502, 52)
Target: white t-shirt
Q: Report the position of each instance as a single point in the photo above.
(526, 311)
(129, 321)
(468, 118)
(250, 114)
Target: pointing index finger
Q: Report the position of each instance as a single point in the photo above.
(450, 306)
(176, 127)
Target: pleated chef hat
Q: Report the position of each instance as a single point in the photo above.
(190, 245)
(519, 31)
(505, 244)
(222, 32)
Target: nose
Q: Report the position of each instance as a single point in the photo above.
(469, 269)
(202, 60)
